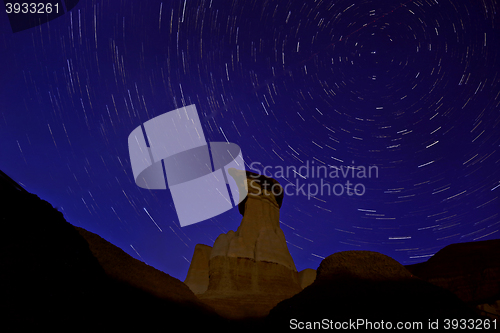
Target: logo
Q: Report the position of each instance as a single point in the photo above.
(170, 150)
(26, 15)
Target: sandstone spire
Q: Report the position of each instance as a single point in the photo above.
(197, 276)
(259, 235)
(250, 270)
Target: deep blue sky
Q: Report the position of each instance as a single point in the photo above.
(412, 88)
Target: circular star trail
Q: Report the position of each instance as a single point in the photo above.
(406, 89)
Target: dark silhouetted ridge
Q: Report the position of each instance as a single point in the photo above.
(52, 280)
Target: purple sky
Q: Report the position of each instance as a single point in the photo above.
(410, 88)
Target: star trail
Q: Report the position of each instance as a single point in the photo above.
(410, 88)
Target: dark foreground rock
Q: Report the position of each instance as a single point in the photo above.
(51, 280)
(470, 270)
(363, 285)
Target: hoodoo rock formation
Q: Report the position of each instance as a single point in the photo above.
(259, 236)
(197, 276)
(250, 270)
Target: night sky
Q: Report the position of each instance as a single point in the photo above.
(411, 87)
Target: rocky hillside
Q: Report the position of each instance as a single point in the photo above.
(58, 278)
(369, 286)
(469, 270)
